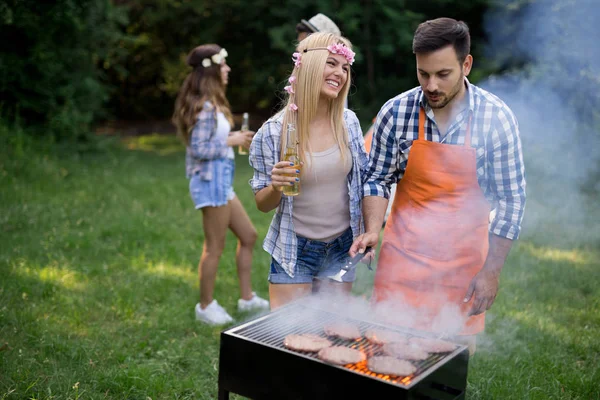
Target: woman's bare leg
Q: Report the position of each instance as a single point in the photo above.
(242, 227)
(280, 294)
(215, 222)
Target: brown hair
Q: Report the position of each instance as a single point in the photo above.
(437, 33)
(301, 27)
(202, 84)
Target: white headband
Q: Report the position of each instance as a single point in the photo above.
(216, 58)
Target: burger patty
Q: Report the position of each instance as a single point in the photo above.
(305, 342)
(405, 351)
(387, 365)
(342, 330)
(341, 355)
(432, 345)
(382, 336)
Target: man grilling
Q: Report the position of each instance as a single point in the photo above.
(454, 151)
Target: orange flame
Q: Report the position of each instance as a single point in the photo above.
(361, 367)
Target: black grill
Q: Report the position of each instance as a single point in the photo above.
(254, 363)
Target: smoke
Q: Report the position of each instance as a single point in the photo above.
(549, 51)
(394, 311)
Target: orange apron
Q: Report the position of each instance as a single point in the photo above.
(436, 237)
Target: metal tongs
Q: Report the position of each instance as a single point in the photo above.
(350, 265)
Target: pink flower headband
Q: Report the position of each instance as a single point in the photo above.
(338, 48)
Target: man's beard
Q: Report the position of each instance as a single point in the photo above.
(443, 99)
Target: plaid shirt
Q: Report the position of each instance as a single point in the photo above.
(204, 146)
(281, 241)
(500, 169)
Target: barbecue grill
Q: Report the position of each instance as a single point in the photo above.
(253, 362)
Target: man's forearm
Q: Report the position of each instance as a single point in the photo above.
(374, 212)
(498, 251)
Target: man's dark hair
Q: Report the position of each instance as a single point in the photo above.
(438, 33)
(300, 27)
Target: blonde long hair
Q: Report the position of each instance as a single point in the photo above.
(307, 87)
(200, 85)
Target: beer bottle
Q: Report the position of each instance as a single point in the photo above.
(245, 127)
(291, 155)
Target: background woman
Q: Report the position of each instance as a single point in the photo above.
(203, 119)
(311, 233)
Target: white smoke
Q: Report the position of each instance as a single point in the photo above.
(555, 94)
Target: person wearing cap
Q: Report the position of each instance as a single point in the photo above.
(318, 23)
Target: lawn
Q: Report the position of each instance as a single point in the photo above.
(98, 283)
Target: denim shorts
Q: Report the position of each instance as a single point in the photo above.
(217, 191)
(316, 260)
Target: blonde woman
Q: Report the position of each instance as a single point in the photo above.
(203, 119)
(311, 233)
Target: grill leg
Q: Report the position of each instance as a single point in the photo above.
(223, 394)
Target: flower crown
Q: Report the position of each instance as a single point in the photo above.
(216, 58)
(338, 48)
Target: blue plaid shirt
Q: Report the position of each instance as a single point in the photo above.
(500, 169)
(204, 145)
(281, 241)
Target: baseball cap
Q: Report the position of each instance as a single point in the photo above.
(322, 23)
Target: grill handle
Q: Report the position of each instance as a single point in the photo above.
(354, 260)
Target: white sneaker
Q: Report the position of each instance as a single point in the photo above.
(213, 314)
(254, 303)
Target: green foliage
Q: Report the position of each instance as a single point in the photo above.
(52, 57)
(260, 39)
(68, 64)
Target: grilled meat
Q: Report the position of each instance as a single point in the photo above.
(405, 351)
(432, 345)
(387, 365)
(305, 342)
(382, 336)
(342, 330)
(341, 355)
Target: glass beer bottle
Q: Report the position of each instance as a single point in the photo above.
(291, 155)
(245, 127)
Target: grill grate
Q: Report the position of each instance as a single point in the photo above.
(271, 330)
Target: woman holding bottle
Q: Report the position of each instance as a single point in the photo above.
(203, 119)
(318, 194)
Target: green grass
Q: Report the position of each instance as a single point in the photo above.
(98, 255)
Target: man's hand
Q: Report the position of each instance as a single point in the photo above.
(484, 287)
(369, 239)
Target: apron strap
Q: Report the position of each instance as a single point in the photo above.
(422, 118)
(468, 134)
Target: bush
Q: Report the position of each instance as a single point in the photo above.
(52, 57)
